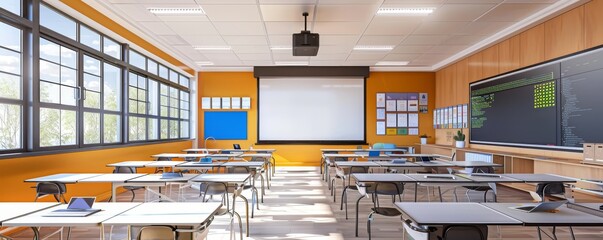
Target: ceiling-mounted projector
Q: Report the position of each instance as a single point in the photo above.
(305, 43)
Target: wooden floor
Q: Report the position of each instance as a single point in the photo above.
(299, 206)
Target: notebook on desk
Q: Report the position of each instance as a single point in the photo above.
(541, 207)
(77, 207)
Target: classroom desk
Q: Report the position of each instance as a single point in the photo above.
(544, 179)
(225, 156)
(196, 150)
(202, 167)
(116, 180)
(471, 164)
(437, 180)
(564, 217)
(490, 179)
(363, 150)
(256, 169)
(134, 164)
(11, 210)
(389, 164)
(189, 214)
(38, 219)
(157, 180)
(419, 216)
(246, 150)
(185, 156)
(229, 179)
(63, 177)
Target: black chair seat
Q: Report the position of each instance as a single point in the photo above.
(386, 211)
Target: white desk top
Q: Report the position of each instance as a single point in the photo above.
(346, 164)
(224, 178)
(226, 155)
(37, 219)
(437, 178)
(129, 164)
(164, 163)
(540, 178)
(471, 163)
(158, 178)
(10, 210)
(434, 164)
(341, 155)
(391, 164)
(201, 150)
(412, 155)
(179, 155)
(564, 216)
(490, 178)
(63, 177)
(381, 177)
(435, 213)
(260, 155)
(193, 165)
(362, 150)
(114, 177)
(251, 150)
(243, 164)
(166, 213)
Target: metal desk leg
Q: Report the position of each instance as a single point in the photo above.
(357, 204)
(416, 188)
(36, 233)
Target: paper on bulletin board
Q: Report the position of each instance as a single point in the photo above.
(390, 105)
(402, 119)
(423, 99)
(459, 116)
(454, 117)
(236, 103)
(435, 118)
(380, 113)
(380, 100)
(413, 120)
(450, 117)
(413, 131)
(465, 123)
(402, 131)
(216, 102)
(392, 131)
(205, 103)
(380, 128)
(413, 105)
(225, 103)
(401, 105)
(246, 103)
(391, 120)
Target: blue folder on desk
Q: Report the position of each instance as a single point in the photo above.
(205, 160)
(374, 153)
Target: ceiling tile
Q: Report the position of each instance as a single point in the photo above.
(359, 63)
(338, 40)
(511, 12)
(209, 40)
(282, 28)
(254, 56)
(459, 12)
(183, 18)
(232, 13)
(464, 40)
(158, 28)
(400, 57)
(447, 49)
(380, 40)
(325, 63)
(412, 1)
(258, 63)
(221, 56)
(190, 53)
(424, 39)
(352, 13)
(358, 55)
(439, 27)
(192, 28)
(350, 1)
(411, 49)
(474, 1)
(246, 40)
(288, 57)
(295, 2)
(204, 2)
(286, 13)
(386, 25)
(353, 28)
(281, 40)
(251, 49)
(240, 28)
(334, 49)
(483, 28)
(330, 57)
(174, 39)
(136, 12)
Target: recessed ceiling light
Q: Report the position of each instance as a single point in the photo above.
(196, 10)
(373, 48)
(280, 48)
(212, 48)
(291, 63)
(391, 63)
(405, 11)
(206, 63)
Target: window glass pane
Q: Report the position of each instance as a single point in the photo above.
(11, 36)
(49, 71)
(111, 87)
(133, 128)
(57, 127)
(151, 66)
(49, 92)
(174, 129)
(184, 81)
(68, 76)
(58, 74)
(68, 57)
(68, 95)
(173, 76)
(163, 72)
(89, 38)
(153, 127)
(10, 61)
(10, 86)
(184, 129)
(142, 128)
(111, 48)
(153, 97)
(164, 129)
(111, 128)
(13, 6)
(57, 22)
(10, 129)
(137, 60)
(91, 128)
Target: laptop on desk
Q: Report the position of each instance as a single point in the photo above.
(77, 207)
(541, 207)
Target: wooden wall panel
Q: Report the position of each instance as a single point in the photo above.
(439, 94)
(564, 34)
(593, 23)
(451, 86)
(462, 81)
(532, 46)
(490, 62)
(508, 54)
(475, 67)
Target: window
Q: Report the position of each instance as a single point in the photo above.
(152, 66)
(57, 22)
(13, 6)
(153, 109)
(11, 99)
(137, 107)
(184, 114)
(90, 38)
(111, 48)
(111, 103)
(184, 81)
(163, 72)
(173, 76)
(137, 60)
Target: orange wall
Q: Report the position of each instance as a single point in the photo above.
(15, 170)
(572, 31)
(243, 84)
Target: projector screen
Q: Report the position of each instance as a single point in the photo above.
(311, 110)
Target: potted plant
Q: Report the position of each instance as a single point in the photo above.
(460, 139)
(424, 138)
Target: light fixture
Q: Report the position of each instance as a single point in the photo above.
(373, 48)
(205, 63)
(291, 63)
(213, 48)
(391, 63)
(406, 11)
(196, 10)
(280, 48)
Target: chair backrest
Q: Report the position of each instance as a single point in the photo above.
(239, 169)
(124, 170)
(483, 170)
(465, 232)
(551, 188)
(384, 146)
(157, 233)
(45, 188)
(236, 146)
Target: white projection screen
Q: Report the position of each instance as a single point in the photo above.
(311, 109)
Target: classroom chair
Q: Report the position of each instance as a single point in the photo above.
(550, 189)
(383, 188)
(344, 174)
(465, 232)
(57, 190)
(217, 188)
(129, 188)
(484, 189)
(251, 185)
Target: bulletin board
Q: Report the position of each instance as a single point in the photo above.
(225, 125)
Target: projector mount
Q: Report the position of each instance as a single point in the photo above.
(305, 14)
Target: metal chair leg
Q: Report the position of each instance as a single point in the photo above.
(368, 224)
